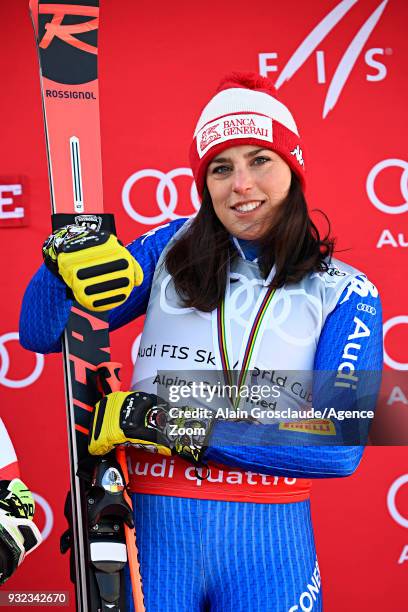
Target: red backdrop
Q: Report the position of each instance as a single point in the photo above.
(159, 62)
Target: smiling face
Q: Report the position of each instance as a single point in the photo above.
(247, 185)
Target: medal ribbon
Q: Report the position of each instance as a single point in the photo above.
(253, 337)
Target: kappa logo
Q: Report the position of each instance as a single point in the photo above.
(347, 62)
(76, 42)
(297, 152)
(208, 136)
(362, 286)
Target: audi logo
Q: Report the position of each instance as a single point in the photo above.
(166, 195)
(375, 200)
(49, 516)
(400, 320)
(5, 364)
(366, 308)
(392, 507)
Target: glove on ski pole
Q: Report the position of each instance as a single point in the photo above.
(19, 536)
(99, 270)
(146, 421)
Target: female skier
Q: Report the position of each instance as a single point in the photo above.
(252, 332)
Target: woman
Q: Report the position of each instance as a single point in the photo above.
(246, 291)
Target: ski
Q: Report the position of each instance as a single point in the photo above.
(67, 42)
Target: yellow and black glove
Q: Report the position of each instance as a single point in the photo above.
(19, 536)
(98, 269)
(146, 421)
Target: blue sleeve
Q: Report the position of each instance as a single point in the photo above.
(46, 306)
(349, 351)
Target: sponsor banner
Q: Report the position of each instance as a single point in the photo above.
(13, 201)
(230, 127)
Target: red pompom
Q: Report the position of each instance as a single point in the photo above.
(247, 80)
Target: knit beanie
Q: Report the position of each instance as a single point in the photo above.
(245, 111)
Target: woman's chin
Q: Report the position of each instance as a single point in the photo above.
(248, 232)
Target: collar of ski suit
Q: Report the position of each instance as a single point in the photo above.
(246, 248)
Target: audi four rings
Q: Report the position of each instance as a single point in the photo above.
(165, 183)
(387, 208)
(5, 364)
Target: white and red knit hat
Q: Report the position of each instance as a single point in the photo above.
(245, 111)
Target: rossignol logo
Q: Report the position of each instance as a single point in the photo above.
(347, 62)
(71, 31)
(298, 153)
(73, 95)
(231, 127)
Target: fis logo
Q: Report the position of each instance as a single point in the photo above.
(347, 62)
(72, 30)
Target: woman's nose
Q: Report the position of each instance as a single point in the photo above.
(242, 180)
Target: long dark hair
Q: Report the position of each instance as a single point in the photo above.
(198, 261)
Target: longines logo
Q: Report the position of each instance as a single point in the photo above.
(72, 30)
(350, 56)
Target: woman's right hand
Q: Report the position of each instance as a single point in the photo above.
(98, 269)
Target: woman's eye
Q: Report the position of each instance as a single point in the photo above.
(261, 160)
(221, 170)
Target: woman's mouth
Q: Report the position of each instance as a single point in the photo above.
(247, 207)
